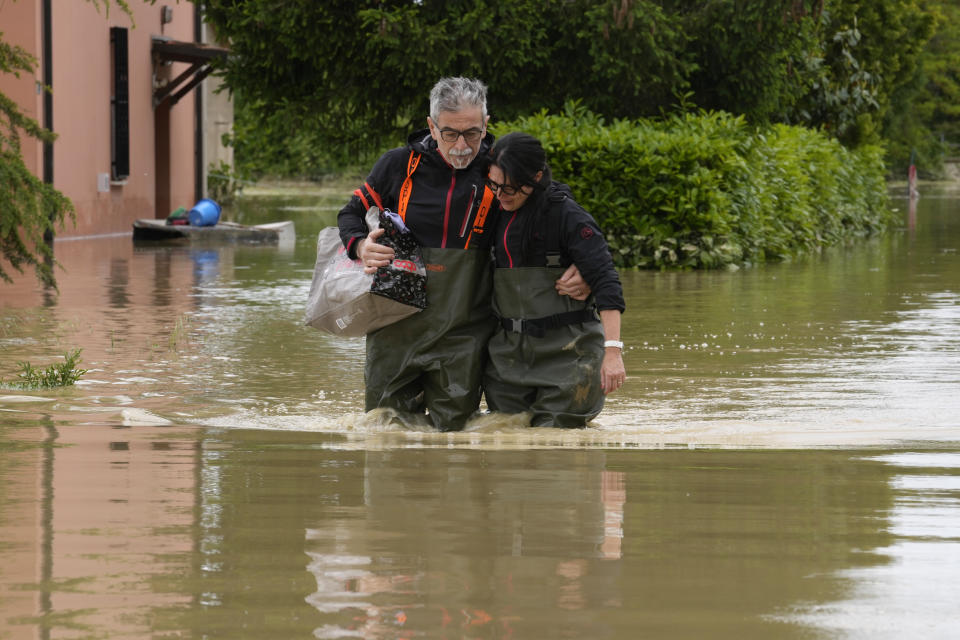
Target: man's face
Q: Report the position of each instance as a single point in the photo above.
(462, 149)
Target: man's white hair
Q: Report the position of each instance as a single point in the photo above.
(453, 94)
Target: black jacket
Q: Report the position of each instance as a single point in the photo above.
(552, 217)
(443, 205)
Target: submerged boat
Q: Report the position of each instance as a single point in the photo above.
(272, 233)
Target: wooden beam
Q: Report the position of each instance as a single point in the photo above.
(197, 79)
(200, 57)
(164, 92)
(176, 51)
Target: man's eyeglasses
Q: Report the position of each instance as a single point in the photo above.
(470, 136)
(505, 189)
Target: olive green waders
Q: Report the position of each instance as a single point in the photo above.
(553, 372)
(434, 359)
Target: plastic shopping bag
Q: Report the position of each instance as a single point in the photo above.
(341, 301)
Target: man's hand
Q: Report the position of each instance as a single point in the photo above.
(373, 254)
(571, 284)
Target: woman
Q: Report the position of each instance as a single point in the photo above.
(550, 356)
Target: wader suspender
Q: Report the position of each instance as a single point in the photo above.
(407, 186)
(553, 244)
(373, 194)
(537, 327)
(482, 212)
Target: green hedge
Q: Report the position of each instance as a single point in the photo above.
(707, 190)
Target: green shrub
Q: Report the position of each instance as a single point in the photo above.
(707, 190)
(56, 375)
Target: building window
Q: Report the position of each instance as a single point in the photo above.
(119, 106)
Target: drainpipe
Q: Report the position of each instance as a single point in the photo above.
(47, 36)
(198, 170)
(46, 517)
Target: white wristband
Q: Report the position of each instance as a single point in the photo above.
(613, 343)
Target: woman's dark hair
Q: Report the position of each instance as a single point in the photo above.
(521, 156)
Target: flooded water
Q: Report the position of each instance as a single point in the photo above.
(784, 460)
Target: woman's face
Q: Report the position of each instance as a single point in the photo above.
(508, 202)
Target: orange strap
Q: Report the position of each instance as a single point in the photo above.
(482, 212)
(407, 186)
(373, 194)
(363, 198)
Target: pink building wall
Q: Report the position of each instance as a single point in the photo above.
(20, 25)
(82, 88)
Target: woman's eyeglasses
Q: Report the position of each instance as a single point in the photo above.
(505, 189)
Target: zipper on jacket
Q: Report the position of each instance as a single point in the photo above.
(506, 247)
(466, 218)
(446, 209)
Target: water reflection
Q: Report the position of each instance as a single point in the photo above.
(912, 212)
(444, 545)
(206, 266)
(117, 284)
(92, 522)
(906, 596)
(130, 533)
(161, 280)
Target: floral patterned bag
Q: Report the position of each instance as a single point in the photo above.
(405, 278)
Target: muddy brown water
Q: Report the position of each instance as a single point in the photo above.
(783, 462)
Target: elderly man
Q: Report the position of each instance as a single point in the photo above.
(434, 359)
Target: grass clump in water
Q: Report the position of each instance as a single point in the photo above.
(61, 374)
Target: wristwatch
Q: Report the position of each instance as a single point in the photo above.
(613, 343)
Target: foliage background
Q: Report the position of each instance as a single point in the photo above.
(324, 86)
(709, 189)
(320, 86)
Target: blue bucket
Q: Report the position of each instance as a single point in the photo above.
(205, 213)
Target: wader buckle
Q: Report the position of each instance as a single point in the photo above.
(519, 325)
(537, 327)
